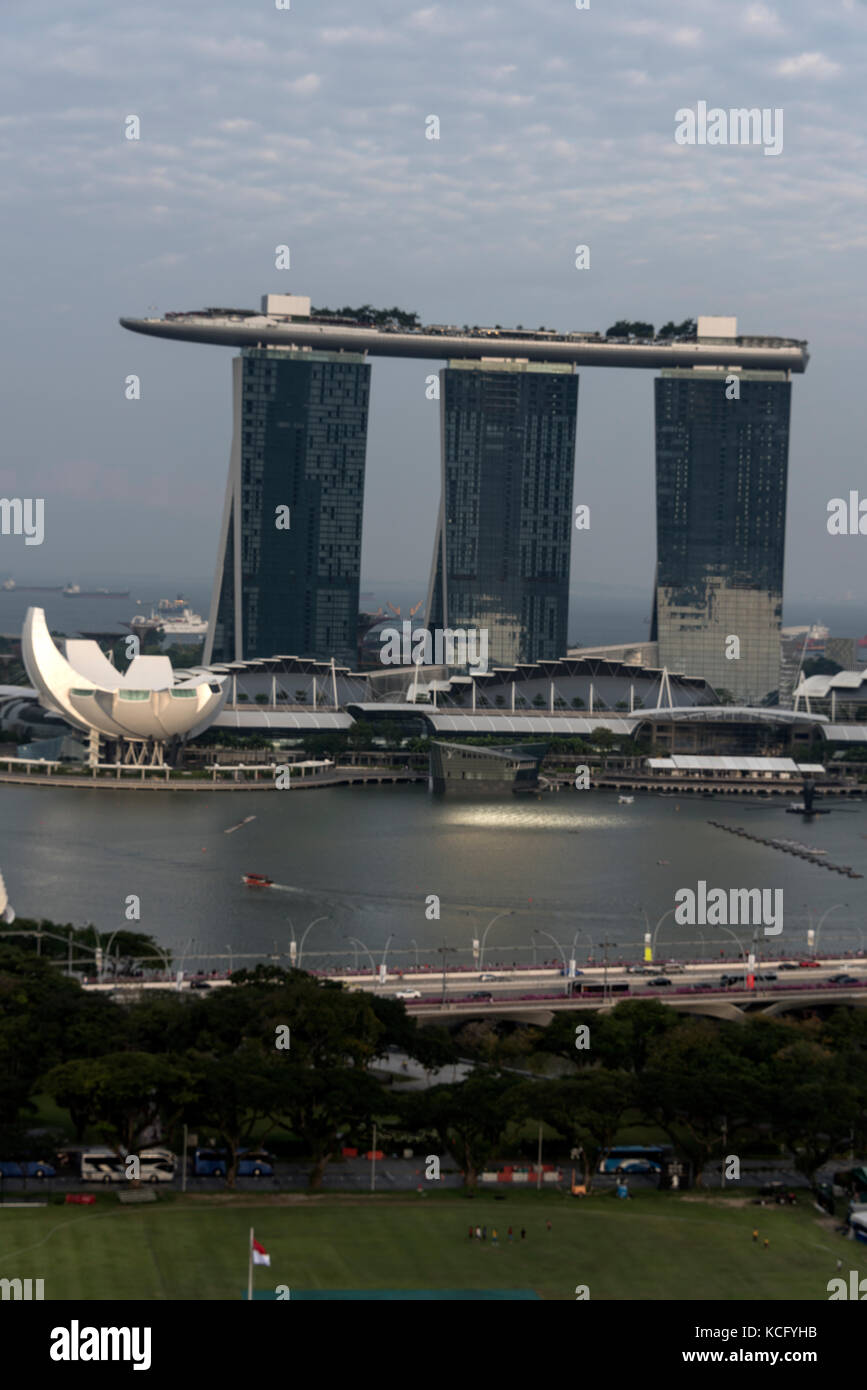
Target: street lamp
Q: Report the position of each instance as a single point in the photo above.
(603, 946)
(656, 930)
(588, 939)
(485, 934)
(414, 943)
(821, 922)
(304, 937)
(539, 932)
(443, 951)
(356, 941)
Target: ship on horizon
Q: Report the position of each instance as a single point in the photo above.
(75, 591)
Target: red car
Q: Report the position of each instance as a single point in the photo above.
(809, 964)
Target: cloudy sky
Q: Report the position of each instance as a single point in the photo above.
(306, 126)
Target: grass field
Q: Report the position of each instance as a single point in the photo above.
(653, 1247)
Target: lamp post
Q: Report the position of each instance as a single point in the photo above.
(508, 913)
(414, 943)
(539, 932)
(656, 931)
(603, 946)
(821, 923)
(444, 951)
(106, 952)
(293, 943)
(581, 932)
(304, 937)
(356, 941)
(383, 969)
(739, 945)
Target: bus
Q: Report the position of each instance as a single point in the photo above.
(633, 1158)
(588, 989)
(213, 1163)
(105, 1165)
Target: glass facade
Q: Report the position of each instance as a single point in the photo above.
(502, 548)
(721, 472)
(288, 580)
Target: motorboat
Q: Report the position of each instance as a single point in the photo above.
(258, 881)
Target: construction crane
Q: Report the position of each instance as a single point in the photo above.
(412, 611)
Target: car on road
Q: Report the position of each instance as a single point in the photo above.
(482, 994)
(809, 964)
(196, 983)
(788, 965)
(486, 979)
(639, 970)
(408, 994)
(703, 984)
(674, 969)
(659, 980)
(27, 1168)
(844, 980)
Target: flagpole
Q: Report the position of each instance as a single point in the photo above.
(250, 1269)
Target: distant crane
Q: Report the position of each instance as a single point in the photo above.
(412, 611)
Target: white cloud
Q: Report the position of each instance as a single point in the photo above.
(686, 37)
(304, 86)
(761, 19)
(238, 125)
(808, 65)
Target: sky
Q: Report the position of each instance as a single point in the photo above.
(305, 127)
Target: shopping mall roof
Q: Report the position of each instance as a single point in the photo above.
(689, 763)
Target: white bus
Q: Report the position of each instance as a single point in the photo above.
(104, 1165)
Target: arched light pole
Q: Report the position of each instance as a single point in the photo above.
(304, 937)
(385, 949)
(656, 930)
(293, 943)
(364, 948)
(414, 943)
(821, 923)
(738, 943)
(540, 932)
(581, 932)
(105, 954)
(508, 913)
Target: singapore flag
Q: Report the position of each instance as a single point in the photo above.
(260, 1254)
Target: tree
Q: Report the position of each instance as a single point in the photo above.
(693, 1083)
(470, 1119)
(233, 1095)
(587, 1110)
(813, 1103)
(122, 1094)
(318, 1104)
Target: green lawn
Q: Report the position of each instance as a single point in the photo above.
(655, 1246)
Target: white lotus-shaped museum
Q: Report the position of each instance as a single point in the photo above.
(149, 702)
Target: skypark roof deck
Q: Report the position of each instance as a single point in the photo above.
(246, 328)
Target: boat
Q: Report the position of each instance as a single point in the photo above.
(75, 591)
(186, 624)
(625, 800)
(9, 584)
(258, 881)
